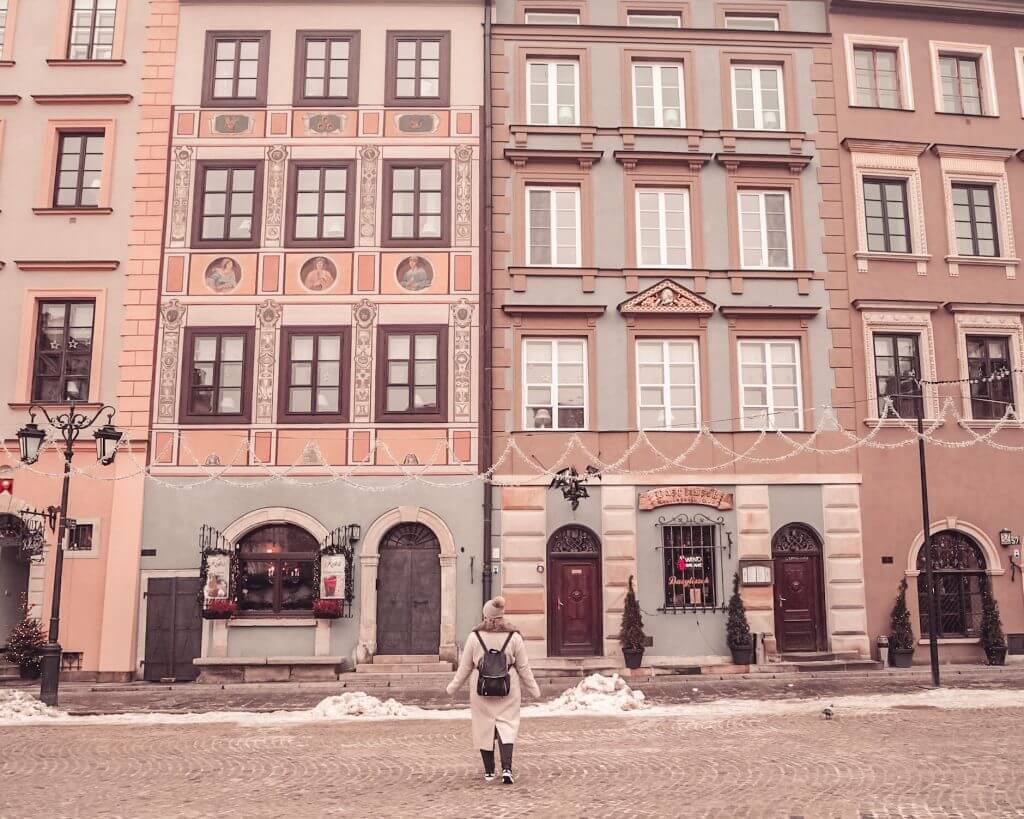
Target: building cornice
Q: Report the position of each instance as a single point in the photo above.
(553, 309)
(734, 161)
(67, 265)
(982, 307)
(885, 146)
(973, 152)
(967, 7)
(630, 159)
(82, 99)
(896, 304)
(521, 157)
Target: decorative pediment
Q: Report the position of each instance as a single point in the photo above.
(667, 297)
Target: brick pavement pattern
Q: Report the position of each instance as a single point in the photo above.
(913, 762)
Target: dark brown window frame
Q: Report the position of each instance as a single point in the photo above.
(971, 188)
(887, 237)
(248, 358)
(68, 303)
(384, 331)
(389, 167)
(278, 559)
(987, 407)
(901, 401)
(391, 98)
(285, 416)
(92, 35)
(351, 182)
(302, 37)
(263, 65)
(874, 50)
(79, 185)
(204, 165)
(978, 66)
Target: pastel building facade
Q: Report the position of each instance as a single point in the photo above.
(661, 173)
(929, 105)
(318, 341)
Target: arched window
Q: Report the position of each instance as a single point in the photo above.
(277, 570)
(959, 568)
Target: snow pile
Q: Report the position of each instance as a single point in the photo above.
(598, 694)
(357, 704)
(17, 706)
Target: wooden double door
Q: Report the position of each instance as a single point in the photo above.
(799, 590)
(409, 591)
(174, 628)
(574, 593)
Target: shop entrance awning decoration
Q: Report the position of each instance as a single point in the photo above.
(685, 495)
(694, 550)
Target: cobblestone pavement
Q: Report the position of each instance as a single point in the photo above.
(912, 762)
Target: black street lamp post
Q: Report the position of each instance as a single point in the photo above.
(70, 425)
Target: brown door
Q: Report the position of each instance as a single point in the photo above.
(799, 605)
(409, 592)
(575, 607)
(173, 628)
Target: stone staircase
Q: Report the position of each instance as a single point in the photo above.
(819, 661)
(401, 670)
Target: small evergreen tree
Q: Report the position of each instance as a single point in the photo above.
(737, 629)
(991, 623)
(25, 640)
(631, 635)
(901, 632)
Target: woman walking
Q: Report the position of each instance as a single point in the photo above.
(494, 701)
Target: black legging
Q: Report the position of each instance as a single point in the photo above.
(506, 755)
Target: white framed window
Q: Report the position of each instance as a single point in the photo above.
(667, 384)
(963, 79)
(658, 95)
(3, 25)
(1018, 56)
(651, 20)
(553, 226)
(752, 22)
(663, 227)
(552, 18)
(553, 92)
(770, 384)
(766, 234)
(555, 383)
(878, 72)
(757, 98)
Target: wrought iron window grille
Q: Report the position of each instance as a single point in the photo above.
(694, 550)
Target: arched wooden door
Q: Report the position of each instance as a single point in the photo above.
(409, 591)
(574, 593)
(799, 597)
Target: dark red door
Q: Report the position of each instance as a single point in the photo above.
(575, 607)
(409, 592)
(798, 614)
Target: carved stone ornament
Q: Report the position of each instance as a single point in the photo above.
(277, 158)
(172, 317)
(320, 124)
(463, 195)
(269, 314)
(232, 124)
(364, 317)
(462, 380)
(667, 297)
(311, 455)
(796, 539)
(369, 156)
(685, 495)
(180, 192)
(574, 540)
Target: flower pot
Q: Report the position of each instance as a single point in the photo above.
(742, 655)
(901, 657)
(996, 655)
(634, 657)
(29, 672)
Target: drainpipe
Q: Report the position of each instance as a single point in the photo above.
(486, 448)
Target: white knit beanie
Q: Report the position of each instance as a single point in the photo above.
(494, 608)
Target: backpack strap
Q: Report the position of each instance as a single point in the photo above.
(508, 640)
(481, 639)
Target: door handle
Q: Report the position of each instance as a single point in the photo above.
(420, 602)
(781, 600)
(560, 603)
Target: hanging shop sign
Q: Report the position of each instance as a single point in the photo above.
(332, 576)
(218, 577)
(688, 495)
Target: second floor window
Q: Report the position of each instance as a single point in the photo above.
(313, 375)
(988, 357)
(327, 68)
(228, 204)
(770, 385)
(554, 383)
(765, 234)
(552, 18)
(960, 77)
(63, 354)
(975, 220)
(418, 212)
(877, 77)
(887, 222)
(3, 24)
(236, 68)
(757, 97)
(321, 202)
(92, 30)
(653, 20)
(898, 374)
(418, 68)
(658, 95)
(217, 368)
(663, 228)
(553, 226)
(411, 372)
(79, 170)
(752, 22)
(667, 385)
(553, 92)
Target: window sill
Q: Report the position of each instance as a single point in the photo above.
(762, 133)
(23, 406)
(72, 211)
(987, 423)
(1008, 265)
(892, 423)
(63, 62)
(968, 116)
(865, 256)
(253, 620)
(952, 641)
(899, 110)
(6, 63)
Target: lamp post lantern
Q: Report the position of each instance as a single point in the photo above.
(31, 438)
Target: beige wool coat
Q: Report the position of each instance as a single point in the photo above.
(492, 714)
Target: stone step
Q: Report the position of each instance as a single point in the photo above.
(402, 668)
(840, 665)
(818, 656)
(414, 659)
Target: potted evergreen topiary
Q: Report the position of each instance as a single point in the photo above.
(24, 642)
(631, 635)
(901, 637)
(992, 639)
(737, 629)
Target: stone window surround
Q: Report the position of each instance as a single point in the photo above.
(890, 161)
(989, 322)
(29, 327)
(744, 7)
(788, 100)
(765, 179)
(262, 70)
(302, 36)
(546, 53)
(7, 46)
(444, 39)
(578, 6)
(899, 318)
(1018, 57)
(663, 7)
(198, 191)
(242, 418)
(986, 167)
(48, 176)
(683, 58)
(556, 361)
(551, 84)
(986, 74)
(553, 175)
(994, 566)
(668, 328)
(802, 365)
(674, 176)
(902, 48)
(62, 32)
